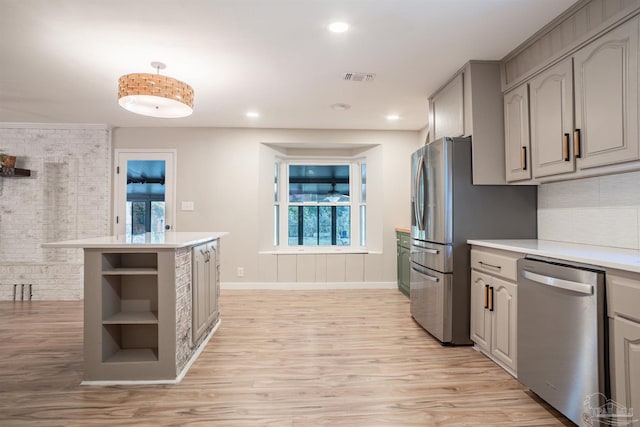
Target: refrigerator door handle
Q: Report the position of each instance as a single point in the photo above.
(425, 274)
(419, 205)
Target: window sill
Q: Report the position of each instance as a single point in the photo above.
(317, 251)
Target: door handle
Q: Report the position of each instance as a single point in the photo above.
(490, 298)
(484, 264)
(523, 158)
(582, 288)
(425, 274)
(576, 143)
(486, 296)
(565, 147)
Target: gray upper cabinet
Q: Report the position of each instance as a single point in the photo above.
(516, 134)
(552, 120)
(447, 109)
(606, 98)
(583, 112)
(470, 104)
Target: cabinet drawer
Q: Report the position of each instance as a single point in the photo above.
(403, 240)
(623, 295)
(499, 263)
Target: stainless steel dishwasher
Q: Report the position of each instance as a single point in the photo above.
(562, 335)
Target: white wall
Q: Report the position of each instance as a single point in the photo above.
(223, 172)
(602, 211)
(66, 197)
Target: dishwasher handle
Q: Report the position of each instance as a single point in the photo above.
(582, 288)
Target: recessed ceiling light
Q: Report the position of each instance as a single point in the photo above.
(338, 27)
(253, 114)
(340, 106)
(393, 117)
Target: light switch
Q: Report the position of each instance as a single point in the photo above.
(187, 206)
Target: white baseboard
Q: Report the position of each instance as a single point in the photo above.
(307, 286)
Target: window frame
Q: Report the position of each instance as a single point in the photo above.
(282, 203)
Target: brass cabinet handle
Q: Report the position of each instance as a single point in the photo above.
(565, 147)
(576, 143)
(491, 298)
(523, 158)
(486, 296)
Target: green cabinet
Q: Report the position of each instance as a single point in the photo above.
(404, 259)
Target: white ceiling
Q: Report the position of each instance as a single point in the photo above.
(60, 59)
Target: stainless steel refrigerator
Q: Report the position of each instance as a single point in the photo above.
(447, 210)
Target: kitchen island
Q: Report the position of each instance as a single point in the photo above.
(151, 303)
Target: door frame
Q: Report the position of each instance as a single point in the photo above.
(167, 154)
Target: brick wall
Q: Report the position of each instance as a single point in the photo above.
(66, 197)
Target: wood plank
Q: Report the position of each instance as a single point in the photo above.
(285, 358)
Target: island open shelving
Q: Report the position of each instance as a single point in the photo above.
(140, 303)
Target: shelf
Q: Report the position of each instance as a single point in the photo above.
(130, 261)
(9, 172)
(134, 355)
(132, 318)
(135, 271)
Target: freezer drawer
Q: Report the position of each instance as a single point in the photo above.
(432, 255)
(431, 301)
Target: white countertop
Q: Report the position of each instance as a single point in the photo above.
(621, 259)
(167, 240)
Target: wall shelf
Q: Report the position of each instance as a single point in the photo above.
(9, 172)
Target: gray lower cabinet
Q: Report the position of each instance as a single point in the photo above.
(130, 314)
(623, 294)
(404, 261)
(206, 288)
(494, 294)
(141, 321)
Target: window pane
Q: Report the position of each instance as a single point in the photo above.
(325, 225)
(310, 225)
(276, 225)
(319, 183)
(293, 225)
(157, 216)
(363, 182)
(343, 225)
(363, 225)
(276, 176)
(138, 214)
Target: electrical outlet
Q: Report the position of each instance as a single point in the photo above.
(240, 272)
(187, 206)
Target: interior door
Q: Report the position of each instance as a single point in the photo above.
(144, 191)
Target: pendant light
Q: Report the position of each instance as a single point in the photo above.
(155, 95)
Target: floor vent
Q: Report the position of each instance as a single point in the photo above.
(359, 77)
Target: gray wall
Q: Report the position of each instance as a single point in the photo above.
(227, 173)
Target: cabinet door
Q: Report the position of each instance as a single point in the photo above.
(405, 269)
(480, 317)
(606, 97)
(199, 288)
(627, 364)
(516, 134)
(503, 330)
(551, 95)
(212, 279)
(448, 109)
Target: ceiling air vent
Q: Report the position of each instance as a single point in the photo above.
(359, 77)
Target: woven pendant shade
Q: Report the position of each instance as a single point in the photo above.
(155, 95)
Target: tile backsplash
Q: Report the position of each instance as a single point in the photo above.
(602, 211)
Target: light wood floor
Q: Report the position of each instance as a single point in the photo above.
(280, 358)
